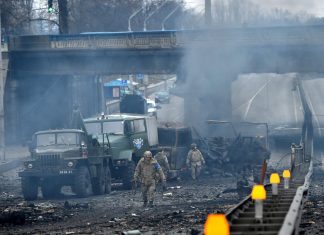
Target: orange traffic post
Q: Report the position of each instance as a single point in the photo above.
(258, 195)
(216, 224)
(286, 175)
(274, 181)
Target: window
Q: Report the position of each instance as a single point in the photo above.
(139, 125)
(93, 128)
(116, 127)
(45, 139)
(67, 139)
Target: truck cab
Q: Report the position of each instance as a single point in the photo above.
(127, 136)
(65, 157)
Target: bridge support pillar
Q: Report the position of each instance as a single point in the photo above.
(11, 111)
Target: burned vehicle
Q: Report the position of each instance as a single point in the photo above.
(175, 139)
(235, 146)
(126, 137)
(65, 157)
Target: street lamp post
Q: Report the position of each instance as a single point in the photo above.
(132, 16)
(168, 16)
(152, 13)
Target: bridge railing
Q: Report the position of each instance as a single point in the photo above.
(279, 36)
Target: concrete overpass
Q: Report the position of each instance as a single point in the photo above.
(48, 73)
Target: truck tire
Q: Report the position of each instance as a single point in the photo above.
(82, 182)
(128, 174)
(107, 180)
(99, 183)
(50, 189)
(29, 187)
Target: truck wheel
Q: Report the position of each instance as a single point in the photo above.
(29, 187)
(50, 189)
(82, 182)
(107, 180)
(128, 175)
(99, 183)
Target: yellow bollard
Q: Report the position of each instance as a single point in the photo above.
(216, 224)
(274, 181)
(258, 195)
(286, 176)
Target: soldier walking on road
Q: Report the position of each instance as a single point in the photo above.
(195, 160)
(145, 173)
(161, 158)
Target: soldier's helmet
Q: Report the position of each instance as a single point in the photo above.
(147, 154)
(193, 145)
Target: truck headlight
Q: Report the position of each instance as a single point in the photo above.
(70, 164)
(30, 165)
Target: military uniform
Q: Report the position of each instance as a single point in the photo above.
(195, 160)
(145, 173)
(162, 159)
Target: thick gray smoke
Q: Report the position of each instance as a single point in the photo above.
(209, 73)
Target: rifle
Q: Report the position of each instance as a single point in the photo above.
(134, 186)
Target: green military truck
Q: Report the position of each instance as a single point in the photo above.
(66, 157)
(125, 137)
(128, 136)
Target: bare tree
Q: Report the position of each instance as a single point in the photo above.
(15, 16)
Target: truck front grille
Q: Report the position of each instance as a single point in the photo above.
(49, 159)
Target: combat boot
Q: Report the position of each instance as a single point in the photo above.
(151, 204)
(145, 204)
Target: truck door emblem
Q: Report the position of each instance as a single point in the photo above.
(138, 143)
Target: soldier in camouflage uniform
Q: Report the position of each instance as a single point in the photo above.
(195, 160)
(161, 158)
(145, 173)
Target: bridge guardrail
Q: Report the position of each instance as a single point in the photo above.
(301, 35)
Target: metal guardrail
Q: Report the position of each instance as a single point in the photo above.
(253, 36)
(292, 219)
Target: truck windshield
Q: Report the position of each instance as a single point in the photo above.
(67, 138)
(45, 139)
(93, 128)
(57, 139)
(116, 127)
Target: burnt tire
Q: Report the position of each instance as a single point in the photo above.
(128, 174)
(50, 189)
(99, 182)
(29, 187)
(107, 180)
(82, 182)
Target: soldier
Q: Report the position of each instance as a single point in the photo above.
(195, 160)
(161, 158)
(145, 173)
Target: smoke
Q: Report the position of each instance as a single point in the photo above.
(210, 69)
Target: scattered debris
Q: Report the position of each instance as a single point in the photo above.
(132, 232)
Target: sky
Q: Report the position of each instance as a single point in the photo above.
(313, 7)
